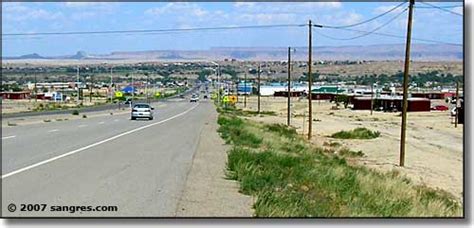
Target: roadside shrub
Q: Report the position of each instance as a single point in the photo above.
(358, 133)
(75, 112)
(232, 131)
(345, 152)
(282, 130)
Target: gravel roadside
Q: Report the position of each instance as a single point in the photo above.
(207, 192)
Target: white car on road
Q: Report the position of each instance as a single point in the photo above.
(142, 111)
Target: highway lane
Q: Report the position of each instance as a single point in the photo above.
(33, 143)
(138, 166)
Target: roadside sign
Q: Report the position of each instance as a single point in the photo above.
(157, 94)
(233, 99)
(118, 94)
(225, 99)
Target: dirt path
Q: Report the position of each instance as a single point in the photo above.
(207, 193)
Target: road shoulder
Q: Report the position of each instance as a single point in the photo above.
(207, 192)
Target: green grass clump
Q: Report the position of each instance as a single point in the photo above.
(233, 132)
(350, 153)
(282, 130)
(290, 178)
(332, 144)
(240, 112)
(358, 133)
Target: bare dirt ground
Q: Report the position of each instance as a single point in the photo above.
(434, 149)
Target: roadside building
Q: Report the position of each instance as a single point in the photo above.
(15, 95)
(327, 92)
(429, 95)
(244, 88)
(387, 103)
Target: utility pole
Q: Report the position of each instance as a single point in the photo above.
(457, 106)
(146, 89)
(218, 85)
(405, 85)
(111, 83)
(245, 90)
(310, 80)
(90, 90)
(258, 88)
(289, 87)
(77, 84)
(133, 91)
(36, 90)
(371, 98)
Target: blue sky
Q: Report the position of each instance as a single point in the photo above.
(30, 17)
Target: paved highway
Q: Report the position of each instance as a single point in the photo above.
(138, 166)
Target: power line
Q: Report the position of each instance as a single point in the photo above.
(443, 9)
(369, 20)
(369, 32)
(153, 30)
(394, 36)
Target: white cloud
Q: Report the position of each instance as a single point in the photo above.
(244, 4)
(83, 4)
(20, 12)
(458, 10)
(351, 18)
(186, 13)
(383, 9)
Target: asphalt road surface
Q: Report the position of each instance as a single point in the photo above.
(137, 167)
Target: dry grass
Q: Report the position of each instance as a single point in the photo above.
(290, 178)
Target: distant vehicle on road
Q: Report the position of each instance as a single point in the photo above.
(142, 111)
(194, 98)
(181, 96)
(440, 108)
(205, 96)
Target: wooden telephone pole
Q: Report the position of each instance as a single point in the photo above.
(456, 118)
(371, 98)
(289, 87)
(245, 90)
(36, 90)
(310, 80)
(405, 85)
(258, 88)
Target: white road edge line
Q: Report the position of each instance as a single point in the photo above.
(101, 122)
(93, 145)
(53, 130)
(8, 137)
